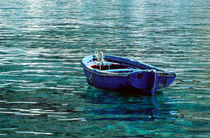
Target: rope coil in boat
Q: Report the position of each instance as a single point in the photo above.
(100, 58)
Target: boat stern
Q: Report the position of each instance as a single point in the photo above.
(146, 80)
(150, 81)
(165, 79)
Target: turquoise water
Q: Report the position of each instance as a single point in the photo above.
(43, 90)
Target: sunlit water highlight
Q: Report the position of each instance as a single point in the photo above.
(43, 90)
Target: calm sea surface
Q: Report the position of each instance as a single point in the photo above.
(43, 90)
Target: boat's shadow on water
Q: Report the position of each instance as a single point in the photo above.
(124, 106)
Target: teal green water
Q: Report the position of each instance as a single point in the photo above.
(43, 90)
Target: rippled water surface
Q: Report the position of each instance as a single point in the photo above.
(43, 90)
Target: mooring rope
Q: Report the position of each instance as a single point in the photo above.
(100, 58)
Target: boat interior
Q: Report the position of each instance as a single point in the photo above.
(113, 67)
(108, 65)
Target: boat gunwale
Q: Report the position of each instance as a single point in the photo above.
(104, 73)
(131, 62)
(121, 60)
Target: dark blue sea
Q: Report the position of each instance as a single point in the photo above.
(43, 90)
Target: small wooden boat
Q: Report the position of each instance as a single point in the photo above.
(117, 73)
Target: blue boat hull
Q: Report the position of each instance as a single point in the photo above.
(137, 76)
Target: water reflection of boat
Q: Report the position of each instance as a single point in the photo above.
(116, 73)
(127, 107)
